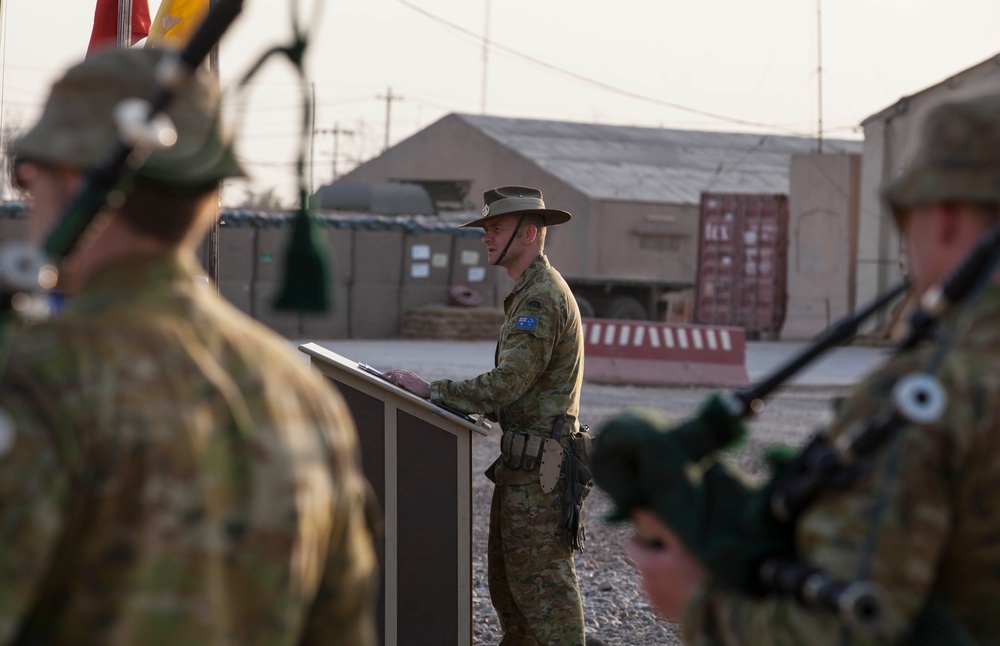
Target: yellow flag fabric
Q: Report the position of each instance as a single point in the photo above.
(175, 22)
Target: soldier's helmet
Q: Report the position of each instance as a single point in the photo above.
(958, 157)
(77, 126)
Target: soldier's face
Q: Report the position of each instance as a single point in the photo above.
(496, 234)
(50, 188)
(935, 238)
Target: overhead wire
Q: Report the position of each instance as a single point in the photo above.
(594, 82)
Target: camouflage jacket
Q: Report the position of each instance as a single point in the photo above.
(539, 359)
(922, 519)
(175, 475)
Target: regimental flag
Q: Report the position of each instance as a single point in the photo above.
(176, 21)
(105, 33)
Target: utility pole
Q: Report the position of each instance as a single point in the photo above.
(336, 131)
(389, 98)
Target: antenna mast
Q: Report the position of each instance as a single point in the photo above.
(486, 57)
(819, 77)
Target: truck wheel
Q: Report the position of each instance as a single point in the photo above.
(586, 309)
(625, 307)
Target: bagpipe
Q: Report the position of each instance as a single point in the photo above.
(744, 534)
(28, 274)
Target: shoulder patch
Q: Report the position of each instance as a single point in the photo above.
(534, 304)
(526, 323)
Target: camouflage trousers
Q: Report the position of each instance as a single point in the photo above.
(532, 577)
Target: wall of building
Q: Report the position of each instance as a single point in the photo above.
(822, 236)
(891, 138)
(605, 239)
(452, 150)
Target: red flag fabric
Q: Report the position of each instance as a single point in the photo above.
(105, 33)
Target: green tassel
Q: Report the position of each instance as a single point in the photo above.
(305, 286)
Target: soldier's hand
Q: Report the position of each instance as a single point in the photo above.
(409, 381)
(670, 573)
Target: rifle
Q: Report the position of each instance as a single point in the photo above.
(744, 535)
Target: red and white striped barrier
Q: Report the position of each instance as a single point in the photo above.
(663, 354)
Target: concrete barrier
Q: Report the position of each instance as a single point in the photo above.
(663, 354)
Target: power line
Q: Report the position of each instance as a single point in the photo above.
(590, 81)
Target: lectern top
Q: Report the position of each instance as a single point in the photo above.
(328, 358)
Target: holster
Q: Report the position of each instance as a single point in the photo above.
(579, 482)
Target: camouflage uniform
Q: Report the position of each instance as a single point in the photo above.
(538, 374)
(922, 519)
(176, 476)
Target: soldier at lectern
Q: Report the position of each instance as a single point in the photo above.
(541, 476)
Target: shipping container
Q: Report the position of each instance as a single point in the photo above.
(742, 262)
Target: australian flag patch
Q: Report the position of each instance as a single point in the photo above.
(526, 322)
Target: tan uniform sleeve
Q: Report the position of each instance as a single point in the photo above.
(521, 359)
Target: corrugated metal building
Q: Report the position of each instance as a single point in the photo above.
(634, 192)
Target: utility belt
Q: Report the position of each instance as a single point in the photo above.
(561, 454)
(521, 450)
(524, 451)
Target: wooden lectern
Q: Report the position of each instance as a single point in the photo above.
(418, 458)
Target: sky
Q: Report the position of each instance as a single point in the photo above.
(807, 67)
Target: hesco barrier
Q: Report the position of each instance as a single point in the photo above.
(380, 267)
(663, 354)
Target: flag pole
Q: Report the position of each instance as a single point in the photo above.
(124, 24)
(213, 233)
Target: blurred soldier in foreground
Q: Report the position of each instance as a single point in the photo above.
(534, 393)
(169, 472)
(921, 518)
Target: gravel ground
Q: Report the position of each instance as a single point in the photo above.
(615, 609)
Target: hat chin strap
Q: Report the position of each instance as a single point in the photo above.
(512, 236)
